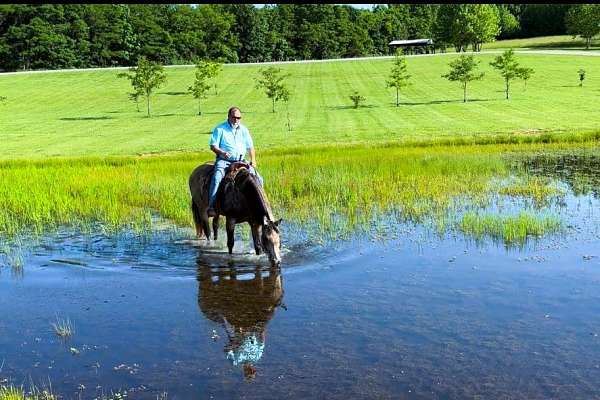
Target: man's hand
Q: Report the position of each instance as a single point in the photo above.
(225, 155)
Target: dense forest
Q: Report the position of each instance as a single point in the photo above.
(51, 36)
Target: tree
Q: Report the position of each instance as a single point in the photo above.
(357, 99)
(509, 24)
(201, 86)
(145, 78)
(508, 67)
(581, 73)
(462, 70)
(135, 97)
(483, 23)
(398, 76)
(213, 69)
(525, 73)
(273, 84)
(452, 26)
(583, 20)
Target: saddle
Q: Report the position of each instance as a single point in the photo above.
(233, 169)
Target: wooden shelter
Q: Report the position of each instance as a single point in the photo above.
(414, 46)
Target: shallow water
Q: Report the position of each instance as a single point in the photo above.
(418, 316)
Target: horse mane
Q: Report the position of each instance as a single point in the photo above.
(252, 189)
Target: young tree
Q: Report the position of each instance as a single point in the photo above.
(508, 67)
(272, 82)
(135, 97)
(357, 99)
(398, 76)
(213, 69)
(145, 78)
(581, 73)
(286, 99)
(462, 70)
(583, 20)
(200, 87)
(525, 73)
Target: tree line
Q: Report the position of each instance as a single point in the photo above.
(52, 36)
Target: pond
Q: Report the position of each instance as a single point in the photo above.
(418, 315)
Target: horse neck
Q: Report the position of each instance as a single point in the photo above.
(255, 195)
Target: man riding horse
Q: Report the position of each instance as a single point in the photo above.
(229, 141)
(234, 189)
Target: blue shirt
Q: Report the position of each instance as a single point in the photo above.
(234, 141)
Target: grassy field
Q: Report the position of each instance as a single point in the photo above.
(543, 42)
(87, 113)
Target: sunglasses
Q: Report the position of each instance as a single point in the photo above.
(234, 117)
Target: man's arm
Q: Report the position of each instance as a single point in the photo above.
(253, 157)
(219, 152)
(215, 139)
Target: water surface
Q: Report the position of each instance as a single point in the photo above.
(417, 316)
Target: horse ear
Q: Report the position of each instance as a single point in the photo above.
(278, 221)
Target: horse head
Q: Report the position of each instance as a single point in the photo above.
(270, 240)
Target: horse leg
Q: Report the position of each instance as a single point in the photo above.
(256, 234)
(230, 226)
(216, 225)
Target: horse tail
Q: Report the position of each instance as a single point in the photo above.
(196, 213)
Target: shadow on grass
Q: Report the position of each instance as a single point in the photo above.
(349, 107)
(569, 86)
(174, 93)
(564, 46)
(426, 103)
(163, 115)
(85, 118)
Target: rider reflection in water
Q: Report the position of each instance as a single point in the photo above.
(243, 306)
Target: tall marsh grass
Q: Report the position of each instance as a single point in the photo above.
(332, 191)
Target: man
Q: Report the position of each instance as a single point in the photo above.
(229, 141)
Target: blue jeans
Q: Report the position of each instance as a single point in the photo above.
(220, 167)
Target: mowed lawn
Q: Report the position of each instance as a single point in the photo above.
(88, 113)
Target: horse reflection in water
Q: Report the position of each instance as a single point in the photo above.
(243, 299)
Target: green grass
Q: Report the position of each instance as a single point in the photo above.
(509, 229)
(63, 327)
(88, 114)
(332, 192)
(543, 42)
(17, 393)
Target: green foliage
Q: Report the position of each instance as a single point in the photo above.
(584, 20)
(273, 84)
(581, 73)
(398, 77)
(484, 23)
(357, 99)
(145, 78)
(464, 24)
(205, 70)
(508, 67)
(462, 70)
(509, 24)
(525, 73)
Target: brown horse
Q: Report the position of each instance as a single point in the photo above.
(240, 198)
